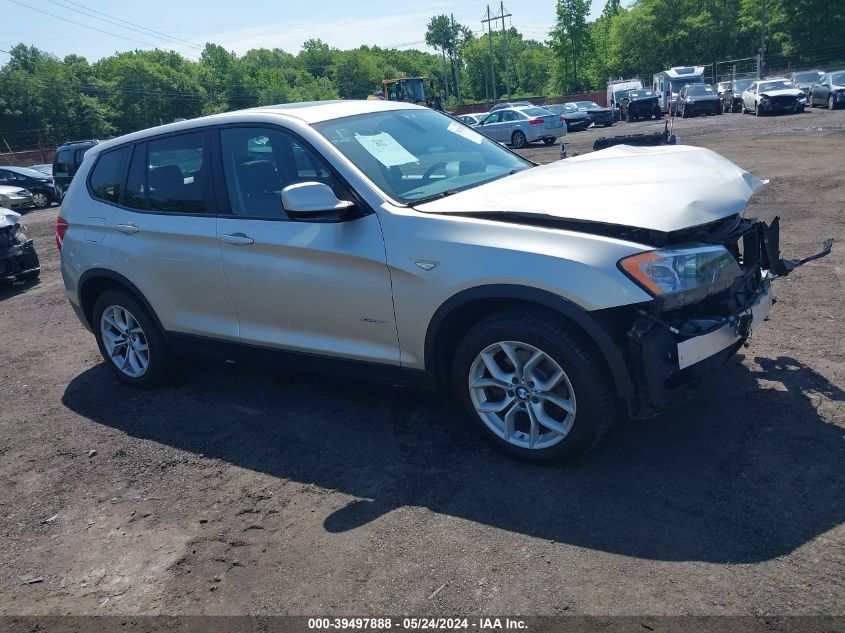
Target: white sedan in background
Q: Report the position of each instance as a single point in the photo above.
(770, 96)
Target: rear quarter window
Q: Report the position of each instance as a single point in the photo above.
(64, 161)
(106, 180)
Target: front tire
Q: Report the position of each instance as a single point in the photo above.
(41, 200)
(129, 340)
(533, 386)
(518, 140)
(831, 104)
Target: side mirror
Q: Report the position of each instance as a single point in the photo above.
(313, 201)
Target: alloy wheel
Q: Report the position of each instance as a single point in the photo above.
(519, 141)
(831, 103)
(522, 395)
(125, 341)
(40, 199)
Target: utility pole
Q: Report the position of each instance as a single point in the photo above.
(489, 22)
(456, 61)
(761, 58)
(505, 45)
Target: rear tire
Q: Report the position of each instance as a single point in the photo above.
(831, 104)
(582, 385)
(548, 141)
(160, 359)
(518, 140)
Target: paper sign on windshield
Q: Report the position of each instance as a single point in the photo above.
(386, 149)
(462, 130)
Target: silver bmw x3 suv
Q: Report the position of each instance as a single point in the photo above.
(388, 240)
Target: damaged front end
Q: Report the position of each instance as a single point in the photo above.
(18, 259)
(708, 299)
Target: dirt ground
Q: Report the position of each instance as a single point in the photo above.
(248, 490)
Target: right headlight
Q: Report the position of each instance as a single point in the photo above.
(678, 277)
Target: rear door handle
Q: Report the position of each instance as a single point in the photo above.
(237, 239)
(127, 228)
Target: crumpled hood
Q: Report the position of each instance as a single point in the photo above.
(790, 92)
(8, 218)
(659, 188)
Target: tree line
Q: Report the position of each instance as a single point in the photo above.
(46, 100)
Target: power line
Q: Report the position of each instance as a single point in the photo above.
(116, 21)
(93, 28)
(87, 26)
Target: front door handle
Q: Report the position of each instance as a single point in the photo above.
(127, 228)
(237, 239)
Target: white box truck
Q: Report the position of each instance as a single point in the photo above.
(616, 89)
(668, 83)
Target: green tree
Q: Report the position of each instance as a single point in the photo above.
(439, 36)
(316, 57)
(570, 40)
(356, 75)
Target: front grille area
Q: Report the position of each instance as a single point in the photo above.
(783, 100)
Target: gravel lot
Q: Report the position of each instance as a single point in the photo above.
(248, 490)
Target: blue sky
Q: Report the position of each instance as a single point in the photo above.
(240, 26)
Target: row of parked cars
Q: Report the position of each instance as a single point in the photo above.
(783, 94)
(521, 122)
(43, 184)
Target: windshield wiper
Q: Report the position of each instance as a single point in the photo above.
(437, 196)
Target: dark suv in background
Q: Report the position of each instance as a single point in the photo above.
(39, 184)
(68, 158)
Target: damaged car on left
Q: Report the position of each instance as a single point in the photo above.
(18, 259)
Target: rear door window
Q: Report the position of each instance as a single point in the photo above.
(106, 178)
(168, 175)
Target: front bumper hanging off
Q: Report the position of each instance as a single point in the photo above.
(672, 350)
(18, 258)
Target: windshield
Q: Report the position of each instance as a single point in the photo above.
(809, 77)
(536, 111)
(587, 105)
(838, 78)
(783, 84)
(560, 108)
(416, 155)
(700, 90)
(26, 171)
(676, 84)
(640, 94)
(411, 90)
(742, 84)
